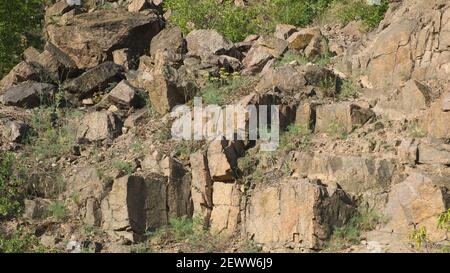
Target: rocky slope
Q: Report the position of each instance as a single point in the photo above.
(366, 121)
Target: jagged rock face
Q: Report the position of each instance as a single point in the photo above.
(226, 213)
(369, 176)
(201, 187)
(413, 42)
(89, 39)
(296, 213)
(20, 73)
(204, 42)
(168, 39)
(436, 121)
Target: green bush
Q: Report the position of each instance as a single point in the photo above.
(236, 22)
(346, 11)
(20, 27)
(11, 186)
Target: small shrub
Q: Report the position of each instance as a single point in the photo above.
(57, 210)
(415, 130)
(296, 136)
(348, 89)
(124, 167)
(419, 236)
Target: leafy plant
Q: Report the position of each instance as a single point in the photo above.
(337, 131)
(419, 236)
(295, 136)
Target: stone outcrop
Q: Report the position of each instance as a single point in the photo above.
(90, 38)
(295, 214)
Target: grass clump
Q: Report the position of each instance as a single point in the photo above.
(20, 241)
(57, 210)
(337, 131)
(296, 136)
(124, 166)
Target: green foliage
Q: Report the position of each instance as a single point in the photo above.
(20, 27)
(444, 220)
(419, 236)
(11, 186)
(21, 241)
(346, 11)
(124, 166)
(414, 130)
(219, 89)
(236, 22)
(57, 210)
(296, 136)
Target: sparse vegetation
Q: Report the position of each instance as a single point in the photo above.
(364, 220)
(219, 89)
(57, 210)
(296, 136)
(348, 89)
(190, 232)
(124, 166)
(415, 130)
(21, 240)
(345, 11)
(11, 186)
(337, 131)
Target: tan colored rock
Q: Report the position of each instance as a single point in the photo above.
(295, 214)
(132, 120)
(28, 94)
(301, 39)
(305, 115)
(446, 103)
(256, 59)
(287, 79)
(201, 187)
(137, 5)
(284, 31)
(122, 57)
(434, 152)
(365, 175)
(89, 38)
(20, 73)
(408, 151)
(134, 205)
(123, 96)
(341, 117)
(225, 215)
(273, 45)
(204, 42)
(35, 209)
(222, 160)
(417, 202)
(98, 126)
(409, 103)
(168, 39)
(436, 122)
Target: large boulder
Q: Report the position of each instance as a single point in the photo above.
(95, 79)
(205, 42)
(28, 94)
(368, 176)
(263, 50)
(168, 39)
(134, 205)
(417, 202)
(295, 214)
(90, 38)
(341, 117)
(287, 79)
(123, 96)
(222, 160)
(20, 73)
(98, 126)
